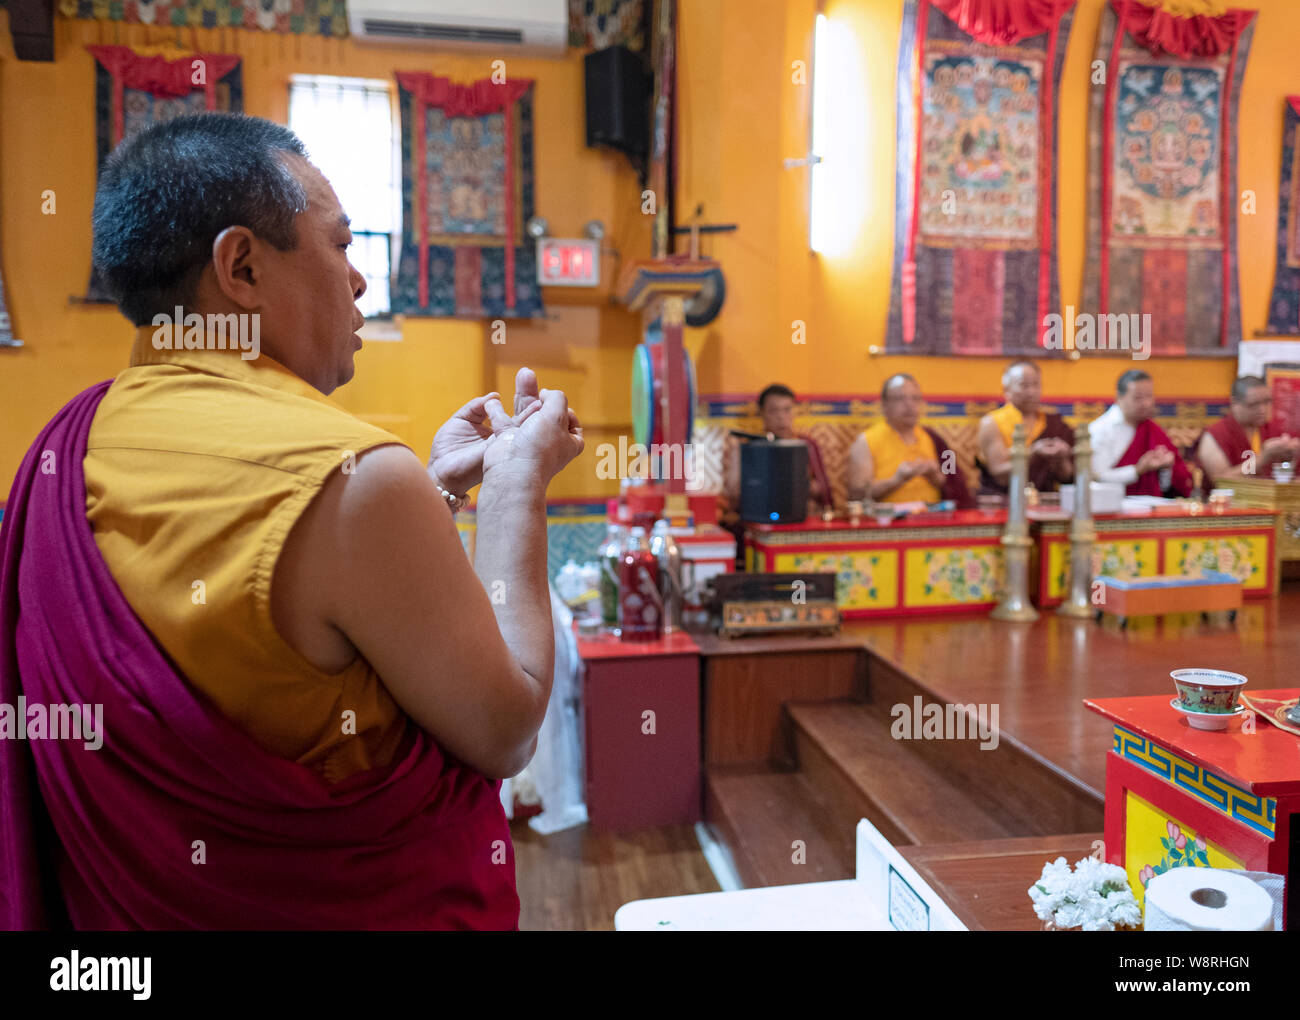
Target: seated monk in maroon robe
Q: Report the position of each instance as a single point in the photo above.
(1048, 438)
(776, 405)
(1130, 448)
(1244, 443)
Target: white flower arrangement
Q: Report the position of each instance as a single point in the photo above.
(1095, 896)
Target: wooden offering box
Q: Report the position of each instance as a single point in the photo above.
(1169, 593)
(1180, 797)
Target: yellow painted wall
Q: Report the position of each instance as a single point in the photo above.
(742, 115)
(47, 141)
(739, 117)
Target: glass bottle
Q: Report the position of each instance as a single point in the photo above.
(638, 585)
(610, 554)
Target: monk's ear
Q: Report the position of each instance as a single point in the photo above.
(237, 266)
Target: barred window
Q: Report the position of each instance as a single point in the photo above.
(347, 126)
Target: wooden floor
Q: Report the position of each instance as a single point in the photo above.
(1038, 675)
(575, 880)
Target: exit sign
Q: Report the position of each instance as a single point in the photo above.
(573, 263)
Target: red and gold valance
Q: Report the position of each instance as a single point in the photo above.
(1004, 22)
(162, 78)
(1198, 35)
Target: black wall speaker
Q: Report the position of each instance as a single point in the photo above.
(774, 481)
(618, 101)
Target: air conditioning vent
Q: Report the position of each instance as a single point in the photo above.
(444, 33)
(533, 26)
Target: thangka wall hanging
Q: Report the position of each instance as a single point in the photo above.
(1284, 305)
(291, 17)
(1162, 174)
(467, 191)
(975, 226)
(597, 24)
(133, 91)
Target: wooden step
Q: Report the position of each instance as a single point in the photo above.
(1031, 794)
(845, 752)
(760, 813)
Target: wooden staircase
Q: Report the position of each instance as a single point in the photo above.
(792, 819)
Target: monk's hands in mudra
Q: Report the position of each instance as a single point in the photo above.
(458, 448)
(1154, 460)
(1052, 447)
(1280, 448)
(539, 439)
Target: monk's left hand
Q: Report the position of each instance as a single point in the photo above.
(457, 454)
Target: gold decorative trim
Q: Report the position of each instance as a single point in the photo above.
(1204, 522)
(890, 537)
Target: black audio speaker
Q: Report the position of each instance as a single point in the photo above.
(618, 100)
(774, 481)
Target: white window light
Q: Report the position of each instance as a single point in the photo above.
(347, 126)
(841, 125)
(818, 198)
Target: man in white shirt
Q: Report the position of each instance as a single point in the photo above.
(1129, 447)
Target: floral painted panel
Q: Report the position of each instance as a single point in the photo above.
(1126, 558)
(950, 576)
(863, 580)
(1244, 557)
(1155, 843)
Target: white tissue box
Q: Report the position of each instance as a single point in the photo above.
(1107, 497)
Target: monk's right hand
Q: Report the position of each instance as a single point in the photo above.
(1279, 448)
(537, 442)
(1154, 460)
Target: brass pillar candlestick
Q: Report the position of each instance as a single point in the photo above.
(1078, 603)
(1015, 540)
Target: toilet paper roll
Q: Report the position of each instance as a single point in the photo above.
(1206, 899)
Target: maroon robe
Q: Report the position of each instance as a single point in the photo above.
(1148, 436)
(819, 487)
(1234, 441)
(954, 485)
(1041, 476)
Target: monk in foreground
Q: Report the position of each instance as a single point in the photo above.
(309, 693)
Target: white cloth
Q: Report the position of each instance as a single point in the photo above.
(557, 767)
(1111, 435)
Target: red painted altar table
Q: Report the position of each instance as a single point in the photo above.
(952, 562)
(1177, 796)
(924, 563)
(1168, 540)
(641, 711)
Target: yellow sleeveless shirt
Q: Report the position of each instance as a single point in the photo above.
(888, 451)
(197, 465)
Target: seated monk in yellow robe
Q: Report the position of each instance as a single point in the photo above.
(1047, 436)
(898, 460)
